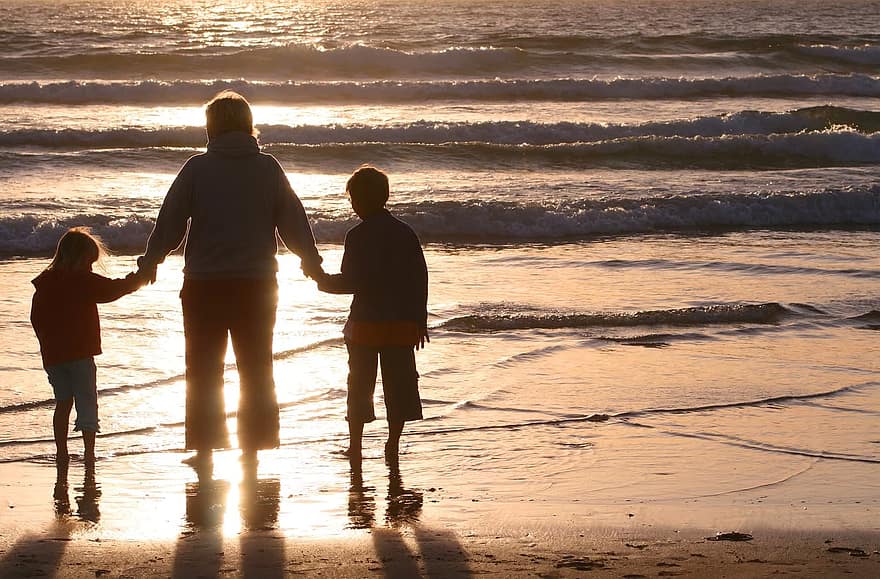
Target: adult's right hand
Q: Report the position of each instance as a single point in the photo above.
(423, 339)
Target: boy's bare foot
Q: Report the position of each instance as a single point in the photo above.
(392, 450)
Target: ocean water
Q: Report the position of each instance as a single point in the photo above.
(651, 230)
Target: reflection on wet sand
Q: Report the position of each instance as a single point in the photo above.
(439, 550)
(404, 505)
(361, 500)
(41, 554)
(201, 542)
(260, 542)
(403, 545)
(87, 495)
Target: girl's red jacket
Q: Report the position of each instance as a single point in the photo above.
(64, 312)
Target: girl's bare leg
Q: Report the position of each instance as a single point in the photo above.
(60, 424)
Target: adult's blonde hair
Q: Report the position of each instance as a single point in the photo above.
(78, 249)
(229, 111)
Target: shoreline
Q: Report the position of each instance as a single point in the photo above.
(408, 532)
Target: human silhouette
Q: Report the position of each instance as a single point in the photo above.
(384, 267)
(64, 314)
(228, 204)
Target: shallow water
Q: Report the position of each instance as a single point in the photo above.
(650, 235)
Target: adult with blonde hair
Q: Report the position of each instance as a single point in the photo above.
(228, 203)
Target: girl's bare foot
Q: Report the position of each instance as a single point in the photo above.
(349, 453)
(201, 459)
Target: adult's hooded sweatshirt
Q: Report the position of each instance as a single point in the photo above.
(233, 199)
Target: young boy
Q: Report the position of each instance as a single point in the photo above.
(384, 267)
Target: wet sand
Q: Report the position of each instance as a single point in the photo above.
(214, 527)
(432, 552)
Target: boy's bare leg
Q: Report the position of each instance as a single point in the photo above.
(89, 446)
(355, 434)
(392, 447)
(60, 424)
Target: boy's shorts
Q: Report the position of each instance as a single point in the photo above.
(78, 380)
(400, 382)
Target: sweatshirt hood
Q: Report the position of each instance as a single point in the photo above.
(234, 144)
(39, 280)
(46, 277)
(57, 277)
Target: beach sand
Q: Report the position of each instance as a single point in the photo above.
(428, 552)
(355, 527)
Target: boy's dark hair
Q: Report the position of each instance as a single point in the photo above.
(369, 187)
(229, 111)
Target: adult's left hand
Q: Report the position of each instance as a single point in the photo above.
(147, 271)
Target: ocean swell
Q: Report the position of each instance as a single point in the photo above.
(768, 313)
(194, 92)
(829, 120)
(27, 233)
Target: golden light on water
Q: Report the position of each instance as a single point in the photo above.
(265, 115)
(180, 116)
(298, 115)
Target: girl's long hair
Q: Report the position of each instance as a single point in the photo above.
(77, 249)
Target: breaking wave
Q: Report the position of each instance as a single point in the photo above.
(503, 55)
(827, 119)
(403, 91)
(498, 221)
(768, 313)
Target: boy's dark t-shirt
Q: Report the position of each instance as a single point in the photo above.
(384, 267)
(64, 312)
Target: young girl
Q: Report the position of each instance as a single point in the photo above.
(64, 315)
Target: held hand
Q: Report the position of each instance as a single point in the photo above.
(321, 280)
(139, 277)
(148, 275)
(314, 271)
(423, 339)
(146, 271)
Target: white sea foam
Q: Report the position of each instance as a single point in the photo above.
(375, 60)
(500, 221)
(865, 54)
(561, 89)
(826, 120)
